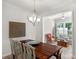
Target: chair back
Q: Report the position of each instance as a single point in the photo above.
(29, 51)
(12, 46)
(18, 50)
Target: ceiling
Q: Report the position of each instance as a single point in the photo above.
(44, 7)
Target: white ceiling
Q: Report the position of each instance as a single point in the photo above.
(44, 7)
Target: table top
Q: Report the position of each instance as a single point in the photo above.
(44, 50)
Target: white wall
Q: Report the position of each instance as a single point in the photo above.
(13, 13)
(39, 31)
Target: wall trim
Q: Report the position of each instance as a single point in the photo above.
(7, 54)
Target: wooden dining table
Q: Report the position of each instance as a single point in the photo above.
(45, 50)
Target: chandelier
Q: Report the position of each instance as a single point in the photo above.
(34, 19)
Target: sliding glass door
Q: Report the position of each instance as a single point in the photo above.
(63, 29)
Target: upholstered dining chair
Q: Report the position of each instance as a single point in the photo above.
(29, 51)
(18, 50)
(12, 44)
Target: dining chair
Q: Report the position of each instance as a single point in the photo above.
(29, 51)
(12, 48)
(18, 50)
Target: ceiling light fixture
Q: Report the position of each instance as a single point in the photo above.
(63, 16)
(34, 19)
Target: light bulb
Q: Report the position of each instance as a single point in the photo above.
(31, 19)
(34, 18)
(38, 19)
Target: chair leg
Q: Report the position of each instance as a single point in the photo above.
(58, 56)
(13, 56)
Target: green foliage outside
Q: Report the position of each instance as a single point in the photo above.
(68, 25)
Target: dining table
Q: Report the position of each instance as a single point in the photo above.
(44, 50)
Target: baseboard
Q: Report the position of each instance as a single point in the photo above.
(6, 55)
